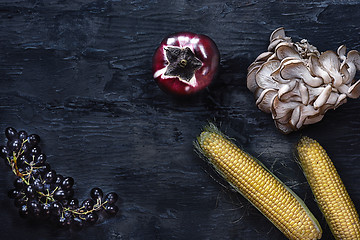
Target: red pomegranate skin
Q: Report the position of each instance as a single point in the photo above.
(203, 48)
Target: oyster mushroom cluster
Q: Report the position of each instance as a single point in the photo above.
(297, 84)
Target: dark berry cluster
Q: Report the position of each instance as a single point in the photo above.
(41, 193)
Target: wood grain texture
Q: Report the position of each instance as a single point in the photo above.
(78, 73)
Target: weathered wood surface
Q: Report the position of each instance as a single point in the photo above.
(78, 73)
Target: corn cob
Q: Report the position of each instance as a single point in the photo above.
(328, 189)
(257, 184)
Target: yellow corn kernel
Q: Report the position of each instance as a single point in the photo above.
(257, 184)
(328, 189)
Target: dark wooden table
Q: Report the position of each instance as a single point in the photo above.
(78, 73)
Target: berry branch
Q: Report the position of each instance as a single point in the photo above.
(41, 193)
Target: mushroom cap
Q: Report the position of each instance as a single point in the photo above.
(263, 75)
(251, 79)
(265, 100)
(274, 43)
(317, 69)
(278, 33)
(354, 90)
(285, 50)
(263, 56)
(331, 63)
(341, 51)
(280, 109)
(286, 88)
(296, 69)
(341, 100)
(354, 56)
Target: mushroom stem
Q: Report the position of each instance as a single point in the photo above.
(323, 97)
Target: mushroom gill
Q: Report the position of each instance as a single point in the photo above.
(297, 84)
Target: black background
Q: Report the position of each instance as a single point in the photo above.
(78, 73)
